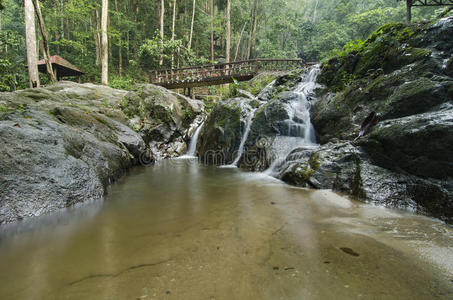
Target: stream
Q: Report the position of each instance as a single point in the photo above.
(181, 230)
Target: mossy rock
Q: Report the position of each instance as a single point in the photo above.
(221, 134)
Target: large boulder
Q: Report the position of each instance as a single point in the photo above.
(221, 135)
(163, 118)
(61, 145)
(402, 73)
(347, 168)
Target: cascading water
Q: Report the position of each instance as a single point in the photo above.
(194, 141)
(243, 140)
(300, 131)
(193, 144)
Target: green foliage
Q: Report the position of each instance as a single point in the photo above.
(153, 50)
(122, 82)
(7, 80)
(308, 29)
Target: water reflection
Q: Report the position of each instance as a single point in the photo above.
(179, 230)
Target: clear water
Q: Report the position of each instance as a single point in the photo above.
(179, 230)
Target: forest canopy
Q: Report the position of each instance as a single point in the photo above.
(189, 32)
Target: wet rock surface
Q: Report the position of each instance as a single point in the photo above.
(406, 160)
(163, 118)
(402, 73)
(65, 143)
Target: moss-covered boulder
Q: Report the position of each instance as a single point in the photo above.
(400, 70)
(403, 73)
(61, 145)
(163, 118)
(221, 135)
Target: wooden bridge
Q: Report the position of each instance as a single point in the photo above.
(221, 73)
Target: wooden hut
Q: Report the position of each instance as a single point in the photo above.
(61, 68)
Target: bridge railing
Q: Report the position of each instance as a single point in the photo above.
(218, 71)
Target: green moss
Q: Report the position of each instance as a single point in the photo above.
(3, 109)
(314, 161)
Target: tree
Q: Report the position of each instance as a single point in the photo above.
(212, 31)
(104, 44)
(30, 33)
(162, 33)
(45, 41)
(228, 31)
(173, 25)
(191, 26)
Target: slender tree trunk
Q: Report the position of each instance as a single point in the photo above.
(162, 33)
(104, 44)
(135, 48)
(409, 10)
(61, 18)
(228, 31)
(239, 42)
(255, 23)
(191, 26)
(30, 35)
(315, 11)
(212, 31)
(173, 24)
(97, 36)
(46, 52)
(120, 44)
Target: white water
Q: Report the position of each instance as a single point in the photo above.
(193, 144)
(243, 140)
(193, 141)
(301, 132)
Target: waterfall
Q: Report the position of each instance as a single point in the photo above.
(243, 140)
(193, 144)
(194, 141)
(300, 131)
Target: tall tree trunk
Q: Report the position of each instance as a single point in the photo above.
(191, 26)
(315, 11)
(120, 44)
(252, 33)
(46, 52)
(255, 23)
(162, 33)
(409, 10)
(173, 24)
(61, 18)
(136, 11)
(30, 35)
(212, 31)
(97, 36)
(239, 42)
(104, 44)
(228, 31)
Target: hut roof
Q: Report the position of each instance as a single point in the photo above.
(64, 67)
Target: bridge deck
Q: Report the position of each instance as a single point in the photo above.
(221, 73)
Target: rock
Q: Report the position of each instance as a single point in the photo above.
(403, 73)
(57, 149)
(223, 131)
(421, 144)
(221, 136)
(349, 169)
(162, 118)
